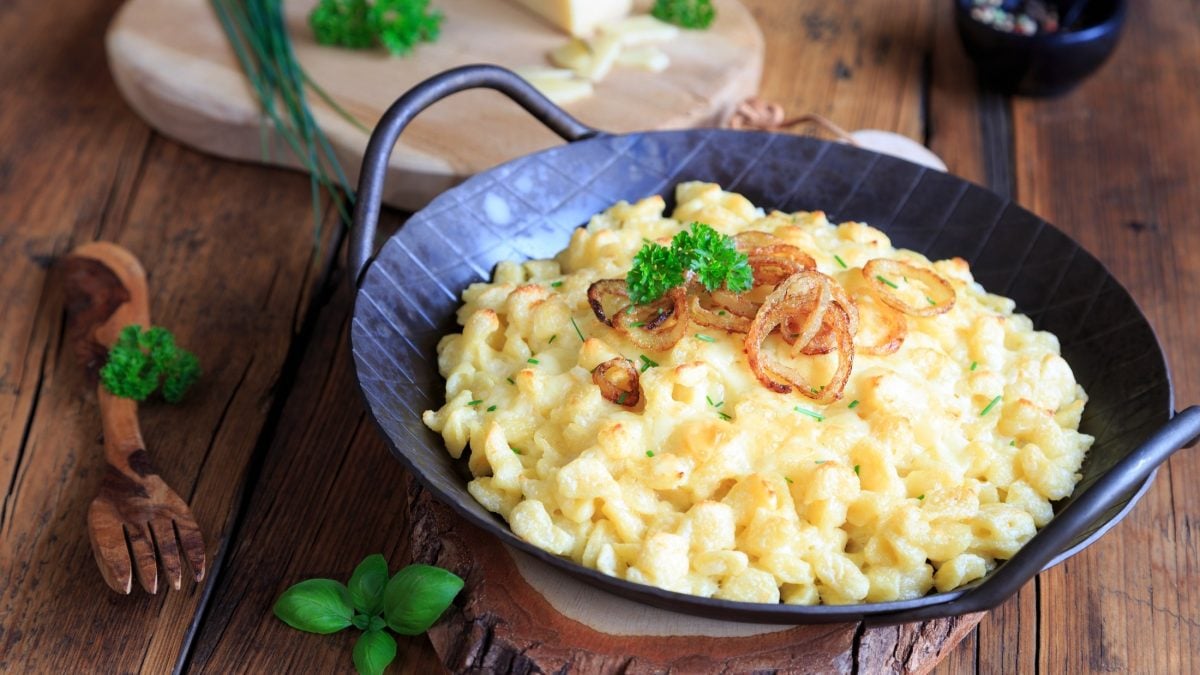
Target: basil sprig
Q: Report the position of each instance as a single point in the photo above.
(408, 603)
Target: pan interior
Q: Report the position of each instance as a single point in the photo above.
(527, 208)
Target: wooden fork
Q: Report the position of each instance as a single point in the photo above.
(136, 513)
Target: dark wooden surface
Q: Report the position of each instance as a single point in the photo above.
(287, 477)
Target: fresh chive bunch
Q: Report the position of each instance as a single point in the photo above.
(257, 32)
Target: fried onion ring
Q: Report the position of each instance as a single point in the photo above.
(658, 325)
(717, 318)
(801, 293)
(606, 289)
(897, 328)
(767, 245)
(618, 381)
(737, 303)
(824, 341)
(881, 275)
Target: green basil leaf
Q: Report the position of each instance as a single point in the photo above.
(373, 652)
(360, 621)
(315, 606)
(377, 623)
(417, 596)
(367, 584)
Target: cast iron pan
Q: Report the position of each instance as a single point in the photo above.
(527, 208)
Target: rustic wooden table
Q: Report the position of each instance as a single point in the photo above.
(290, 480)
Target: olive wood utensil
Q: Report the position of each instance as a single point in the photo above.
(136, 522)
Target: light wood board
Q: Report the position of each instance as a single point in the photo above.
(174, 66)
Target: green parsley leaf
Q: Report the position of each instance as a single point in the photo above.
(367, 583)
(139, 363)
(656, 270)
(373, 652)
(416, 597)
(397, 25)
(315, 606)
(692, 14)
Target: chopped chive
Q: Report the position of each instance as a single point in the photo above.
(856, 468)
(930, 300)
(974, 365)
(821, 461)
(988, 407)
(577, 331)
(701, 336)
(491, 408)
(556, 284)
(724, 416)
(475, 402)
(621, 399)
(510, 381)
(630, 310)
(813, 414)
(921, 496)
(841, 262)
(649, 453)
(552, 339)
(789, 480)
(881, 278)
(720, 312)
(516, 451)
(533, 361)
(905, 279)
(853, 404)
(1013, 442)
(715, 404)
(647, 362)
(638, 324)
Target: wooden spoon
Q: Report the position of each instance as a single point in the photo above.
(135, 514)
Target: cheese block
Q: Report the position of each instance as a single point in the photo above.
(578, 17)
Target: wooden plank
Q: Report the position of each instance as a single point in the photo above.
(1116, 164)
(228, 252)
(329, 494)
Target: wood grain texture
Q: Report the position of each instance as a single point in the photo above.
(77, 166)
(273, 452)
(173, 64)
(1116, 164)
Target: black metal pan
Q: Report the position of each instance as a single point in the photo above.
(527, 208)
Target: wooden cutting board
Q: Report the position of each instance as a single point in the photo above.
(174, 66)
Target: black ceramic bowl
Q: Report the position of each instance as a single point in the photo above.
(1041, 64)
(408, 295)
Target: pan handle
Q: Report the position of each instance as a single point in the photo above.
(420, 97)
(1105, 493)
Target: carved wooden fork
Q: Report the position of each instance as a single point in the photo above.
(136, 522)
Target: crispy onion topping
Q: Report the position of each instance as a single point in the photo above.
(618, 381)
(614, 292)
(714, 316)
(658, 325)
(804, 298)
(894, 323)
(883, 276)
(824, 341)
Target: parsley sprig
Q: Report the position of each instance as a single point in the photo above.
(695, 14)
(397, 25)
(142, 361)
(408, 603)
(710, 255)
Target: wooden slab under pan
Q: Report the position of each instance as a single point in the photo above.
(174, 66)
